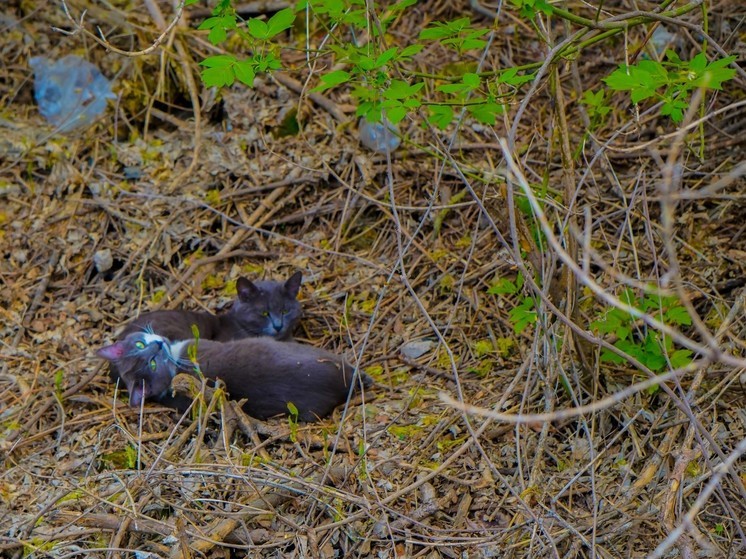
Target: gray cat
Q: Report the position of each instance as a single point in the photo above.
(267, 372)
(262, 308)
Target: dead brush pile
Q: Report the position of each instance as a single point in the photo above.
(468, 276)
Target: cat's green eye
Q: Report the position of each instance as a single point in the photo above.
(265, 314)
(285, 311)
(152, 364)
(139, 345)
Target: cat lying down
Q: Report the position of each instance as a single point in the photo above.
(267, 372)
(262, 308)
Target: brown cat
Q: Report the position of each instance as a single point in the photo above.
(262, 308)
(267, 372)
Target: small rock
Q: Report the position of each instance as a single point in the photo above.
(103, 260)
(19, 255)
(132, 173)
(417, 348)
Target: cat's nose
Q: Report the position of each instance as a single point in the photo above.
(277, 325)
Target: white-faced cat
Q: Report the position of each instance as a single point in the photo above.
(267, 372)
(138, 359)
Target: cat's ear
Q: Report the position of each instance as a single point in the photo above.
(247, 291)
(112, 352)
(292, 285)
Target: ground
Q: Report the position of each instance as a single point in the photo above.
(418, 267)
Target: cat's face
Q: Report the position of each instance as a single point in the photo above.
(268, 308)
(144, 363)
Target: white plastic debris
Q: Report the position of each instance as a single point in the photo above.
(70, 92)
(379, 136)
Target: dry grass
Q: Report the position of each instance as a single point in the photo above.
(389, 257)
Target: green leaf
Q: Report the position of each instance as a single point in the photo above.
(620, 80)
(364, 93)
(245, 73)
(674, 109)
(610, 357)
(667, 343)
(280, 21)
(364, 62)
(627, 296)
(258, 29)
(607, 325)
(654, 362)
(453, 88)
(698, 63)
(630, 348)
(402, 5)
(530, 8)
(523, 315)
(671, 56)
(511, 77)
(219, 61)
(722, 63)
(218, 27)
(370, 110)
(411, 50)
(715, 74)
(209, 23)
(623, 332)
(680, 358)
(678, 315)
(440, 115)
(471, 44)
(440, 30)
(472, 80)
(399, 89)
(265, 62)
(651, 70)
(385, 57)
(332, 79)
(217, 35)
(648, 75)
(396, 114)
(218, 77)
(503, 286)
(486, 113)
(653, 389)
(593, 99)
(641, 93)
(544, 6)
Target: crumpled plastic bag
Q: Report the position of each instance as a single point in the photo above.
(380, 137)
(71, 92)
